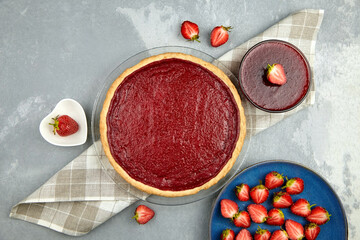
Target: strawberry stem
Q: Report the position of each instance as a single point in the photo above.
(195, 38)
(55, 124)
(226, 28)
(270, 67)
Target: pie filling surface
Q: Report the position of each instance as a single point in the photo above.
(172, 124)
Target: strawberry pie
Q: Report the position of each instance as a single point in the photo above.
(172, 125)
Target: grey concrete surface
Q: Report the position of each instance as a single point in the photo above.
(50, 50)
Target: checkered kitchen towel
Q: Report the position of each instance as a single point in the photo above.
(81, 196)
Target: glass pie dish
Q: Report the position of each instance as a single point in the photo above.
(98, 104)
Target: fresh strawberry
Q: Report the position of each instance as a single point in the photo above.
(282, 200)
(242, 219)
(228, 208)
(143, 214)
(259, 193)
(273, 180)
(294, 229)
(312, 230)
(301, 208)
(275, 217)
(190, 31)
(276, 74)
(258, 213)
(262, 234)
(318, 215)
(227, 234)
(279, 234)
(242, 192)
(244, 234)
(294, 186)
(64, 125)
(219, 35)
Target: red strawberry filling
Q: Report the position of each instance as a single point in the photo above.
(191, 112)
(269, 96)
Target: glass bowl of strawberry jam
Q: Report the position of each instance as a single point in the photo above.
(260, 91)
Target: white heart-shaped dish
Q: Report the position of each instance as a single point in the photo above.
(74, 110)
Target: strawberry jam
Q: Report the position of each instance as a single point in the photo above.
(172, 124)
(262, 93)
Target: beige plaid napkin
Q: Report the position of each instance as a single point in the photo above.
(81, 196)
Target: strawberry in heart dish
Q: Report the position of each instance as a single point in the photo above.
(64, 125)
(282, 215)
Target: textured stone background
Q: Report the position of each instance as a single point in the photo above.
(50, 50)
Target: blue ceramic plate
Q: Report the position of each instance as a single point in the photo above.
(317, 191)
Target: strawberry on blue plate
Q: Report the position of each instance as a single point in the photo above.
(316, 191)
